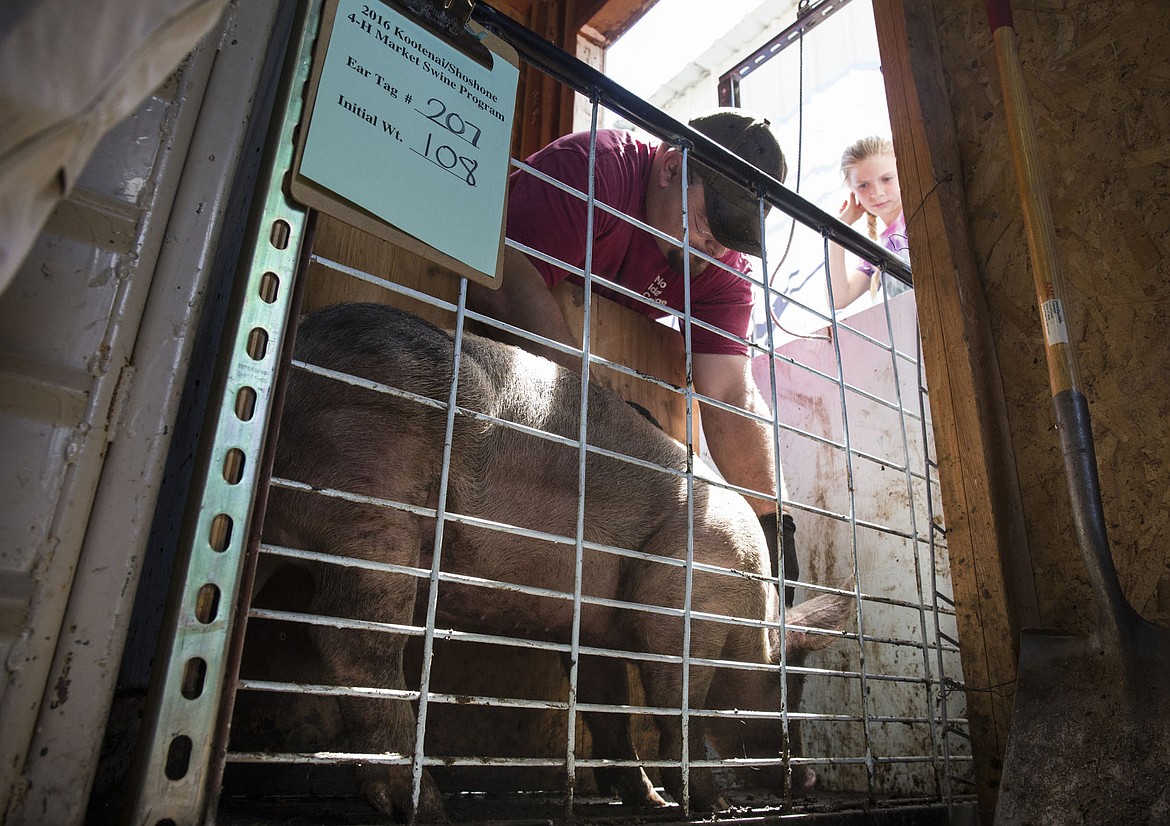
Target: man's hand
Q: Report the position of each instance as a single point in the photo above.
(786, 539)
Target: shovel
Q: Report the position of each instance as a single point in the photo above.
(1090, 733)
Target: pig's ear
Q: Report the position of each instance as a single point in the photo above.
(832, 612)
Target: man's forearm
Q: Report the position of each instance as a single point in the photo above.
(742, 449)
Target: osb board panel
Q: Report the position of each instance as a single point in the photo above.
(1099, 85)
(618, 334)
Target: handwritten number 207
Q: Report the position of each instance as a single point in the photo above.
(453, 122)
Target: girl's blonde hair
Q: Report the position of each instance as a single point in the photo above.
(857, 152)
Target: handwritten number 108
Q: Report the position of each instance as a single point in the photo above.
(447, 158)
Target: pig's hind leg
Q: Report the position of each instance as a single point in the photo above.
(606, 680)
(663, 684)
(373, 659)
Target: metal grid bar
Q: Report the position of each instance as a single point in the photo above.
(942, 727)
(914, 530)
(424, 693)
(786, 715)
(870, 777)
(582, 454)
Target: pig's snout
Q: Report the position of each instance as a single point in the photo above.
(804, 780)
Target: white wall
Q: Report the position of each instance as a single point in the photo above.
(890, 567)
(821, 96)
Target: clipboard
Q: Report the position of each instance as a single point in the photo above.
(407, 134)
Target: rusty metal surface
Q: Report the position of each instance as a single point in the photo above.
(1090, 741)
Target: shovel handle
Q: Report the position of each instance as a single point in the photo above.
(1119, 620)
(999, 14)
(1046, 274)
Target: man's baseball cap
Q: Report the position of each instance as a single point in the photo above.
(733, 211)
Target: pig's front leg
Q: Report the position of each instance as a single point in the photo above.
(371, 659)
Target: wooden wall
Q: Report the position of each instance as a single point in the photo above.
(1098, 80)
(1099, 83)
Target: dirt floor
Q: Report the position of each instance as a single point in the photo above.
(330, 800)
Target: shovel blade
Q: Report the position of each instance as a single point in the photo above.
(1090, 736)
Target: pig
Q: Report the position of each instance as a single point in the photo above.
(361, 440)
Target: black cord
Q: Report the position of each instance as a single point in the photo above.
(799, 166)
(950, 176)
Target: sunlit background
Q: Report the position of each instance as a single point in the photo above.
(821, 92)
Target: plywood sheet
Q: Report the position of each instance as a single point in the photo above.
(1099, 85)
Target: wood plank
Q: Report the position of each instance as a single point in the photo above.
(347, 245)
(986, 537)
(610, 19)
(626, 337)
(1100, 95)
(618, 333)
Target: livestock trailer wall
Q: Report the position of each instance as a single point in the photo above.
(109, 335)
(892, 743)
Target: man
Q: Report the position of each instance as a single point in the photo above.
(645, 181)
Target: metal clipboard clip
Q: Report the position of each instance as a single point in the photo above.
(448, 19)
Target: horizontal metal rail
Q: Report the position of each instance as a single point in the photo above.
(446, 576)
(555, 63)
(393, 759)
(560, 705)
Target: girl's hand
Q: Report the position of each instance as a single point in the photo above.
(850, 210)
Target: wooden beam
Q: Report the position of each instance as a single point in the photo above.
(610, 19)
(986, 538)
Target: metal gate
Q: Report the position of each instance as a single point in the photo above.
(498, 718)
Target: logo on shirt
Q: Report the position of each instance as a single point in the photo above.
(655, 289)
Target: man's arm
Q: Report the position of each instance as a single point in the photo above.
(523, 300)
(741, 447)
(743, 452)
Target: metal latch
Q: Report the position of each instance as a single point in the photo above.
(449, 16)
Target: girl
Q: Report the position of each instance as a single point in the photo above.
(870, 172)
